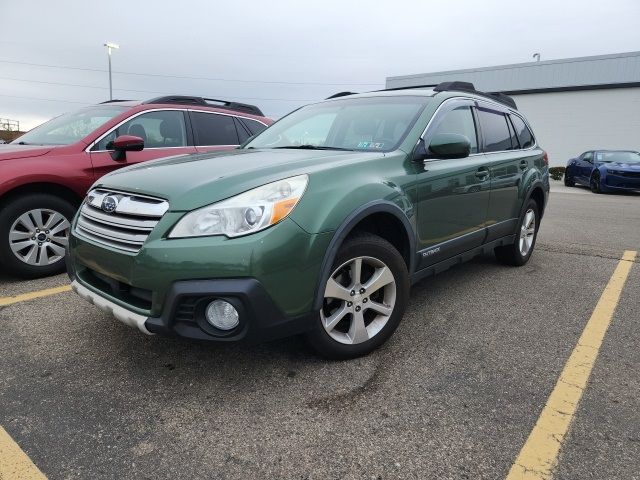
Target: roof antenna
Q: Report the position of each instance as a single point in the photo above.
(536, 56)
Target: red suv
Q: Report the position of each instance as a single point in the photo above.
(45, 174)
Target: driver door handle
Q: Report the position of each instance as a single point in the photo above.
(482, 174)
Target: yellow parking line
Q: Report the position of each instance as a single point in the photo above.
(4, 301)
(14, 463)
(539, 455)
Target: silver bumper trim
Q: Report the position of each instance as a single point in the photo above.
(125, 316)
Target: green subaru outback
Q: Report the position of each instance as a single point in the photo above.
(318, 225)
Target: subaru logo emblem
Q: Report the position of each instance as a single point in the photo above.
(109, 204)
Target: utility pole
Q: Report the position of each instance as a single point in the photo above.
(110, 46)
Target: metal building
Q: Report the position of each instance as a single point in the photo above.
(573, 104)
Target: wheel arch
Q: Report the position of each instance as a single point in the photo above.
(42, 187)
(381, 218)
(536, 193)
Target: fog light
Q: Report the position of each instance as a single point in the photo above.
(222, 315)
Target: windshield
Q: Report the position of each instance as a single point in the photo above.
(619, 157)
(70, 127)
(363, 124)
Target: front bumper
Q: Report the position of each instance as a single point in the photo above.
(629, 181)
(260, 318)
(125, 316)
(270, 277)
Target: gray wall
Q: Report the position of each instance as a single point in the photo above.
(568, 72)
(568, 123)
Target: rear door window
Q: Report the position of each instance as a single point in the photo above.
(522, 131)
(214, 129)
(495, 130)
(514, 138)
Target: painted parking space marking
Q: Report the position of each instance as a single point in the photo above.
(4, 301)
(14, 463)
(539, 455)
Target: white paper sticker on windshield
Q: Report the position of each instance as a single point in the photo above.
(377, 145)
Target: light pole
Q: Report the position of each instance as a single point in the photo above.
(110, 46)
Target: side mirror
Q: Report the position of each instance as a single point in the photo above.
(449, 145)
(125, 143)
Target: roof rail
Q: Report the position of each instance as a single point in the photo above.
(469, 87)
(207, 102)
(340, 94)
(503, 98)
(412, 87)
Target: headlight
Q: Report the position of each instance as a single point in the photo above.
(246, 213)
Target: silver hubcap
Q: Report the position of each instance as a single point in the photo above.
(358, 300)
(39, 237)
(527, 232)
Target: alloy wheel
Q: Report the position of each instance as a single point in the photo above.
(527, 232)
(358, 300)
(39, 237)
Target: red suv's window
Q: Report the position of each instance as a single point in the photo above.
(158, 129)
(214, 129)
(70, 127)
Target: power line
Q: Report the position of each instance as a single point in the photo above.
(190, 77)
(138, 91)
(44, 99)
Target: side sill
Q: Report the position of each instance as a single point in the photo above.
(461, 258)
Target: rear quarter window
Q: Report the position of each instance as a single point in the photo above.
(253, 126)
(524, 134)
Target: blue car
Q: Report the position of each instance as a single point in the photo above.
(605, 170)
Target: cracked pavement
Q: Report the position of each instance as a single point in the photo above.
(454, 394)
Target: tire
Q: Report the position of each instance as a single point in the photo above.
(568, 182)
(335, 334)
(594, 183)
(515, 254)
(26, 250)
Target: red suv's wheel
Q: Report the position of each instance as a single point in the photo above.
(34, 232)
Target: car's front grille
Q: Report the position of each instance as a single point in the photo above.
(119, 220)
(630, 174)
(137, 297)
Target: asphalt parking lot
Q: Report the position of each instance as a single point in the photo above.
(454, 394)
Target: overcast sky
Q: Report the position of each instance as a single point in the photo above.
(277, 54)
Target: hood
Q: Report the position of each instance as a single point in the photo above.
(192, 181)
(11, 151)
(631, 167)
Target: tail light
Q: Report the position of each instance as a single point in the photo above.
(545, 159)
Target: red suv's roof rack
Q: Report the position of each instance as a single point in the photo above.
(207, 102)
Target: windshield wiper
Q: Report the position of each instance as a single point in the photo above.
(315, 147)
(23, 143)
